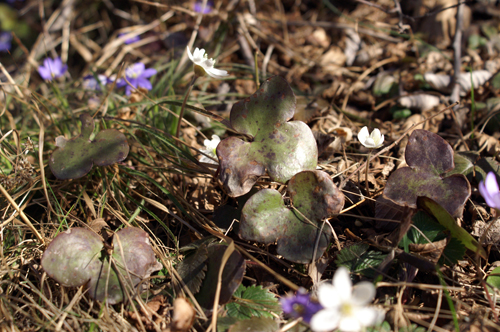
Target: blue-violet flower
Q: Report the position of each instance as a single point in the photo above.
(489, 190)
(91, 83)
(137, 75)
(300, 305)
(52, 68)
(130, 40)
(5, 41)
(198, 7)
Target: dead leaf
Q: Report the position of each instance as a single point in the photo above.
(183, 315)
(420, 102)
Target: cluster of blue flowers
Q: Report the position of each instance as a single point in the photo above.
(136, 75)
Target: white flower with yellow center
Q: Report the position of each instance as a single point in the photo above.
(201, 61)
(210, 145)
(371, 141)
(344, 306)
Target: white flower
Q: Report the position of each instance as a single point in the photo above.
(371, 141)
(344, 306)
(210, 145)
(200, 59)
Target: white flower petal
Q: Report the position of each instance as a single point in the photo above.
(350, 323)
(199, 58)
(369, 316)
(371, 141)
(363, 293)
(216, 73)
(212, 144)
(343, 284)
(363, 134)
(325, 320)
(328, 296)
(189, 54)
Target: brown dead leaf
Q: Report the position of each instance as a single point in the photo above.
(98, 224)
(152, 313)
(431, 251)
(319, 38)
(245, 87)
(183, 315)
(488, 143)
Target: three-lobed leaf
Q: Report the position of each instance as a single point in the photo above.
(75, 258)
(265, 218)
(282, 148)
(75, 157)
(429, 157)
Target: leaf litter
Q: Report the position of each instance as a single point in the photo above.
(347, 65)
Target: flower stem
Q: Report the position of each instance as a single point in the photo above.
(366, 174)
(184, 102)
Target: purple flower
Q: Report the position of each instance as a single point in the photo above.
(300, 305)
(130, 40)
(52, 69)
(489, 190)
(137, 75)
(91, 83)
(5, 39)
(198, 6)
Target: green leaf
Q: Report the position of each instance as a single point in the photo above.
(193, 267)
(75, 258)
(224, 323)
(412, 328)
(429, 157)
(266, 219)
(428, 226)
(358, 259)
(384, 327)
(232, 276)
(283, 148)
(453, 252)
(253, 301)
(445, 219)
(493, 284)
(75, 157)
(401, 114)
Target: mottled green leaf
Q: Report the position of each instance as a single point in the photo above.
(280, 147)
(75, 157)
(428, 156)
(266, 219)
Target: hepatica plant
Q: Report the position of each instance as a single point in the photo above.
(75, 157)
(429, 158)
(265, 218)
(281, 147)
(76, 257)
